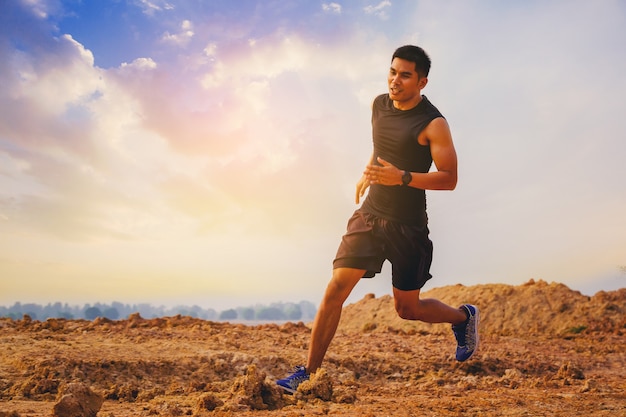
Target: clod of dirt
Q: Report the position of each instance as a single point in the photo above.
(344, 396)
(77, 400)
(318, 386)
(208, 401)
(590, 385)
(134, 320)
(569, 370)
(251, 391)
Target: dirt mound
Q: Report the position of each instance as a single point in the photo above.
(534, 308)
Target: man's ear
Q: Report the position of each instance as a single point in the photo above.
(422, 82)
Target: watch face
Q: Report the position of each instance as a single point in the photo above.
(406, 178)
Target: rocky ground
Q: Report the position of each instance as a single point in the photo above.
(545, 350)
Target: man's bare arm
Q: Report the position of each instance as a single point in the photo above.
(437, 135)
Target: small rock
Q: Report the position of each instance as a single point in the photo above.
(77, 400)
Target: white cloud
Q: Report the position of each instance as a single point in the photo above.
(334, 8)
(62, 76)
(379, 10)
(151, 6)
(211, 49)
(39, 7)
(181, 38)
(140, 64)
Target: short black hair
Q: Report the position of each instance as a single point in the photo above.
(416, 55)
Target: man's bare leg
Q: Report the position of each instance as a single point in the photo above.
(329, 313)
(464, 319)
(410, 307)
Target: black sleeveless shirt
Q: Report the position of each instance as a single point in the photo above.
(395, 135)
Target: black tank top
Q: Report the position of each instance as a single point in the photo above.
(395, 135)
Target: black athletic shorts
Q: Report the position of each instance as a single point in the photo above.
(370, 240)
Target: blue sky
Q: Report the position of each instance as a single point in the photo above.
(207, 152)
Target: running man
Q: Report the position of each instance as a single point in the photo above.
(409, 134)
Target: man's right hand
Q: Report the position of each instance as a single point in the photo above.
(361, 186)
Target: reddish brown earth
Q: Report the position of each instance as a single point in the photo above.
(545, 351)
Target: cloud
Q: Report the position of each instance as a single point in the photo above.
(140, 64)
(60, 134)
(210, 50)
(379, 10)
(152, 145)
(47, 105)
(181, 38)
(40, 8)
(334, 8)
(149, 7)
(248, 141)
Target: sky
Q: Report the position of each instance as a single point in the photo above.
(207, 152)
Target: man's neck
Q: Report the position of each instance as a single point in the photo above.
(407, 105)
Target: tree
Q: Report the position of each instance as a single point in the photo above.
(270, 313)
(229, 314)
(64, 315)
(111, 313)
(92, 313)
(293, 312)
(246, 313)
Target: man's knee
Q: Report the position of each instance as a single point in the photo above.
(407, 304)
(341, 285)
(408, 312)
(334, 293)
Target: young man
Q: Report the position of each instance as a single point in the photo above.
(409, 134)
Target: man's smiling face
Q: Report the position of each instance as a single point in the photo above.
(405, 84)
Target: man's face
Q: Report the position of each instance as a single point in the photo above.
(404, 83)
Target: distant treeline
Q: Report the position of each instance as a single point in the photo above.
(302, 311)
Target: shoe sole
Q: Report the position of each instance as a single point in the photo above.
(286, 389)
(476, 335)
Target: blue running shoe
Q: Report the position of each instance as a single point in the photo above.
(466, 333)
(291, 383)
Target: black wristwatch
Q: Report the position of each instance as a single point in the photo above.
(406, 178)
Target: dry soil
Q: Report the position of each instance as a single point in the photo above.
(545, 351)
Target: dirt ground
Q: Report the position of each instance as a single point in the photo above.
(545, 351)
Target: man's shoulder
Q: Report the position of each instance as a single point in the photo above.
(381, 99)
(428, 106)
